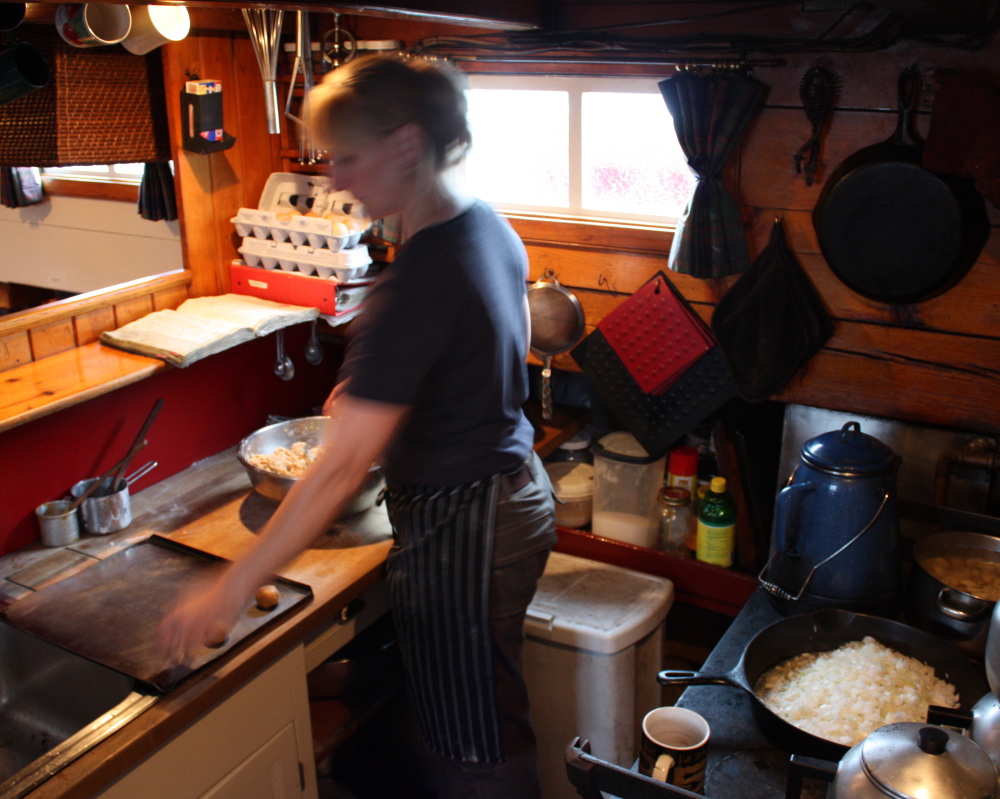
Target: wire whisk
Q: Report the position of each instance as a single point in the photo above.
(303, 64)
(264, 25)
(819, 90)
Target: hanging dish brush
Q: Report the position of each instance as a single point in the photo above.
(819, 90)
(264, 25)
(303, 63)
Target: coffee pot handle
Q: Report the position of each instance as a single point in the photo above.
(786, 529)
(781, 593)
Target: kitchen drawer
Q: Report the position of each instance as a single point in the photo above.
(355, 618)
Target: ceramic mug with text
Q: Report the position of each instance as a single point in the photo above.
(93, 24)
(674, 747)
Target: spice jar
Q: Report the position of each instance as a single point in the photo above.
(674, 509)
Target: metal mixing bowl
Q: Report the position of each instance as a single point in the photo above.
(284, 434)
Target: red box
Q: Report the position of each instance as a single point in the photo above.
(294, 288)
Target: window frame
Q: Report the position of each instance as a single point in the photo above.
(93, 186)
(577, 83)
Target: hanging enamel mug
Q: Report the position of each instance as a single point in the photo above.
(93, 24)
(836, 528)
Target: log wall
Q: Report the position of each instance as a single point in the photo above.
(935, 362)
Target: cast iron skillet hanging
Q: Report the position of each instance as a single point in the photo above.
(823, 631)
(890, 229)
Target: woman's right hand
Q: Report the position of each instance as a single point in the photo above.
(202, 617)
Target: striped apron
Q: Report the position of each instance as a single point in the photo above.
(438, 573)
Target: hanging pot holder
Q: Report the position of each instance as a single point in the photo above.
(656, 420)
(656, 335)
(771, 321)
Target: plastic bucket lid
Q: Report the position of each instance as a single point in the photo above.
(623, 447)
(571, 480)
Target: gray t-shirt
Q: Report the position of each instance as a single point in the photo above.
(444, 332)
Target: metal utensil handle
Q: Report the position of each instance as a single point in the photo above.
(684, 677)
(138, 442)
(781, 593)
(547, 389)
(142, 471)
(94, 485)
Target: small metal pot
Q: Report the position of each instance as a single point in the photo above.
(107, 514)
(903, 761)
(937, 608)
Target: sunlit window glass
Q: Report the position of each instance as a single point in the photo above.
(631, 161)
(116, 172)
(520, 147)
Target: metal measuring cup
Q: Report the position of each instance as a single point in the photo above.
(58, 523)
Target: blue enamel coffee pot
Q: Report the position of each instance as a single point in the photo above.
(836, 528)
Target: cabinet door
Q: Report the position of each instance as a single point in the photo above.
(236, 733)
(272, 772)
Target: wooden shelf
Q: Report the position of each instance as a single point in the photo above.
(48, 385)
(565, 423)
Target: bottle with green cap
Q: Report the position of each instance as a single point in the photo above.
(716, 525)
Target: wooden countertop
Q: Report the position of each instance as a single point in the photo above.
(42, 387)
(209, 506)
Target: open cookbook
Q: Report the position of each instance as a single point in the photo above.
(202, 326)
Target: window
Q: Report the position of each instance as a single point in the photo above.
(590, 147)
(126, 173)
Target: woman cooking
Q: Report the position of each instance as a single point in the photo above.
(431, 386)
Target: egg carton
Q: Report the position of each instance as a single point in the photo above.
(293, 208)
(340, 265)
(299, 230)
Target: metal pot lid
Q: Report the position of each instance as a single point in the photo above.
(848, 451)
(911, 759)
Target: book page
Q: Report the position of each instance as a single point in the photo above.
(261, 316)
(179, 338)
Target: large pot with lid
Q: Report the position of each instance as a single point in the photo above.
(909, 760)
(835, 541)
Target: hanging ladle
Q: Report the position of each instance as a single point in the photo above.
(283, 366)
(557, 325)
(314, 350)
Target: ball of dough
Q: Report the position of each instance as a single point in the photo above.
(217, 636)
(267, 597)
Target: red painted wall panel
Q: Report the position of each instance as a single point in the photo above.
(207, 407)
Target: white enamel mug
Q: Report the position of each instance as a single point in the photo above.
(153, 26)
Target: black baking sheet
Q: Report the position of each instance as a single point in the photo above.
(109, 612)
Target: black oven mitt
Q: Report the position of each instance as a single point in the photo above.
(771, 321)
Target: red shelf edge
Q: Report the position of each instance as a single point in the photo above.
(695, 583)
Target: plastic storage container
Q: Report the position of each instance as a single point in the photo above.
(626, 480)
(573, 484)
(594, 645)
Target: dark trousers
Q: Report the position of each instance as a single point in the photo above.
(511, 590)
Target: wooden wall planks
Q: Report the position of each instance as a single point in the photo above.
(935, 362)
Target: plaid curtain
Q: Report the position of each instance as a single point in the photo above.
(711, 113)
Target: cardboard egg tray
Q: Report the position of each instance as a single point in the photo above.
(299, 230)
(339, 265)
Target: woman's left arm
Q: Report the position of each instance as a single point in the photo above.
(357, 432)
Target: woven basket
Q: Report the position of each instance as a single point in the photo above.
(102, 105)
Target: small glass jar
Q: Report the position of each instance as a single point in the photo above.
(675, 521)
